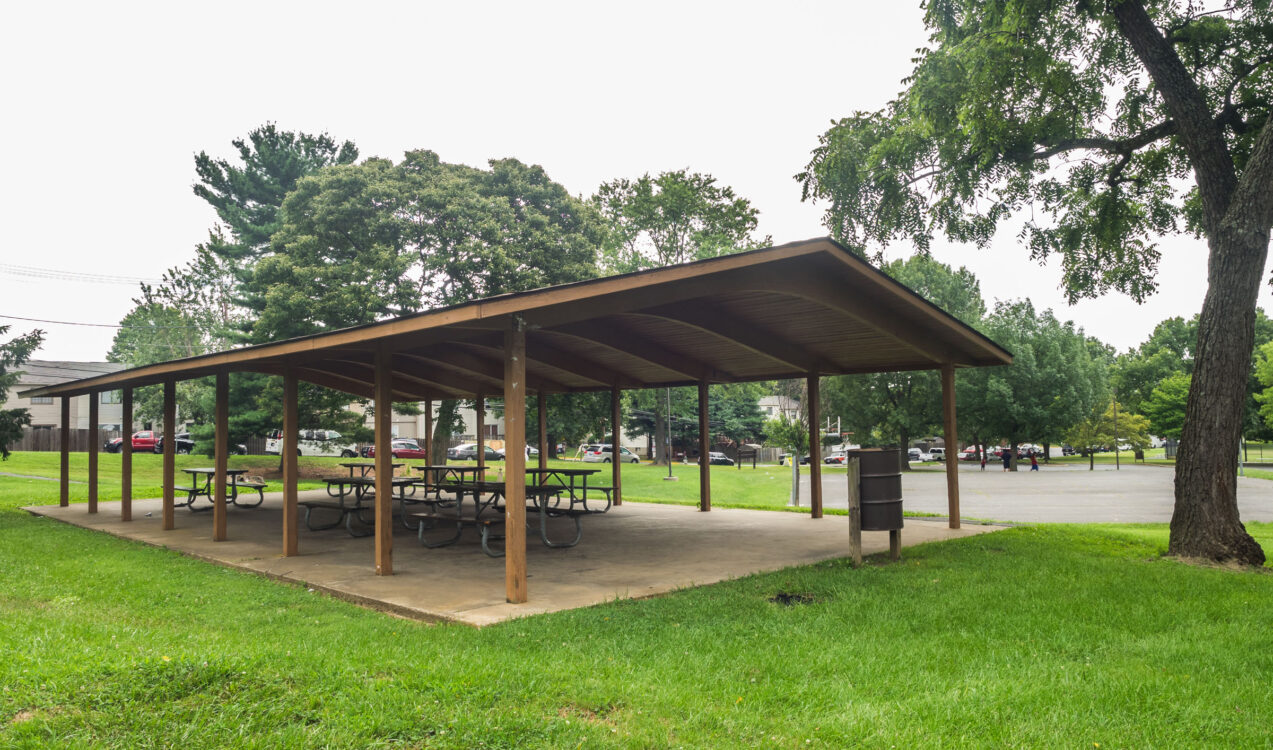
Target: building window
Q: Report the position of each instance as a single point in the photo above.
(41, 399)
(109, 397)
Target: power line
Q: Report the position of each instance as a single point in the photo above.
(91, 325)
(86, 278)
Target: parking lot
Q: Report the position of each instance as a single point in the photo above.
(1068, 494)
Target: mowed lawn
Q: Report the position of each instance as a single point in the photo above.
(1043, 636)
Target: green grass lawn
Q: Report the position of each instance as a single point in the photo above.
(1042, 636)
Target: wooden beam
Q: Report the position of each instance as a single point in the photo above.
(864, 309)
(547, 355)
(404, 386)
(64, 499)
(541, 407)
(704, 452)
(94, 429)
(291, 436)
(815, 450)
(221, 430)
(384, 461)
(479, 413)
(853, 468)
(488, 369)
(951, 436)
(606, 333)
(748, 334)
(616, 430)
(170, 454)
(515, 463)
(428, 430)
(126, 459)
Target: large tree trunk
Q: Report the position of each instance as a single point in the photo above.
(1205, 523)
(447, 409)
(1236, 214)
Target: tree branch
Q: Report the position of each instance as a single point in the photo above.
(1122, 146)
(1252, 198)
(1202, 139)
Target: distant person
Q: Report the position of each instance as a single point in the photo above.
(1007, 459)
(983, 460)
(1034, 461)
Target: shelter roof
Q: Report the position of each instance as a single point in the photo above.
(780, 312)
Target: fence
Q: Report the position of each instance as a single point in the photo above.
(46, 439)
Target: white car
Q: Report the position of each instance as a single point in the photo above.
(937, 454)
(915, 454)
(314, 443)
(533, 451)
(596, 453)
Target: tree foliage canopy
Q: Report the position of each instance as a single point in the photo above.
(672, 218)
(13, 354)
(1025, 103)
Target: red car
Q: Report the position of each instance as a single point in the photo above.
(145, 441)
(401, 448)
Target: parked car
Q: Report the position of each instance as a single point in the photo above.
(314, 443)
(718, 459)
(532, 451)
(598, 453)
(1067, 450)
(969, 454)
(784, 458)
(468, 452)
(185, 444)
(401, 448)
(937, 454)
(915, 454)
(143, 441)
(836, 457)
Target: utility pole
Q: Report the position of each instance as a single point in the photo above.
(1117, 465)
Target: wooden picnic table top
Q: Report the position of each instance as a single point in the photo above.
(210, 470)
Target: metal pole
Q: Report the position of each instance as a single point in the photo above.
(795, 479)
(1117, 466)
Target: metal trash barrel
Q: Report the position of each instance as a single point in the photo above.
(880, 487)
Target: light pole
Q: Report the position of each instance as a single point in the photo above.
(1117, 465)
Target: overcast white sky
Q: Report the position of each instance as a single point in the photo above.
(106, 104)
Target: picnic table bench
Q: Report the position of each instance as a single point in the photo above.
(201, 486)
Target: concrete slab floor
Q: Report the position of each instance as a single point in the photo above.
(635, 550)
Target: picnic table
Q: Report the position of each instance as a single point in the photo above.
(348, 504)
(434, 474)
(201, 486)
(566, 478)
(366, 466)
(543, 498)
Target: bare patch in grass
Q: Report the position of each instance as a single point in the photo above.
(788, 599)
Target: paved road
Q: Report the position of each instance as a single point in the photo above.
(1069, 494)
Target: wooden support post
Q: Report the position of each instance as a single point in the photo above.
(221, 422)
(951, 437)
(541, 407)
(515, 462)
(64, 499)
(93, 431)
(854, 467)
(704, 452)
(895, 544)
(480, 415)
(126, 459)
(815, 450)
(291, 438)
(170, 454)
(384, 461)
(616, 425)
(428, 431)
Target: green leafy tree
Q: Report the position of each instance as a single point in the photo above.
(673, 218)
(13, 354)
(1264, 376)
(903, 405)
(1052, 382)
(1108, 426)
(359, 243)
(1089, 114)
(1165, 407)
(791, 435)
